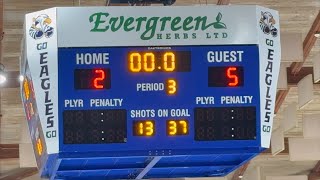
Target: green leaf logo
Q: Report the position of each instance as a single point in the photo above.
(219, 17)
(218, 24)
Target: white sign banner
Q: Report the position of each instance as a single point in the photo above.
(41, 37)
(153, 26)
(270, 57)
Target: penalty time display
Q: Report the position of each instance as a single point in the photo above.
(148, 94)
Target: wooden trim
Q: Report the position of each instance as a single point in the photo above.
(19, 173)
(316, 167)
(314, 176)
(9, 151)
(315, 172)
(308, 44)
(7, 146)
(293, 80)
(281, 96)
(223, 2)
(240, 171)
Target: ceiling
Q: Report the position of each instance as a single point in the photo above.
(296, 17)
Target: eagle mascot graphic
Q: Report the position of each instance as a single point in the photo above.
(40, 27)
(267, 23)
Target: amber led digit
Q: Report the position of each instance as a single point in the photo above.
(148, 62)
(135, 62)
(171, 86)
(177, 127)
(144, 128)
(169, 61)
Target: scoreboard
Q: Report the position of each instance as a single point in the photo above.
(146, 94)
(159, 96)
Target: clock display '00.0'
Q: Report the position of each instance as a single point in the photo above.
(146, 62)
(159, 61)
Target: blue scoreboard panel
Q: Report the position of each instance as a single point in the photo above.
(177, 98)
(147, 94)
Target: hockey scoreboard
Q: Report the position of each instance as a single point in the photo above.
(148, 94)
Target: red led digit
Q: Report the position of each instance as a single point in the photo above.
(234, 78)
(98, 80)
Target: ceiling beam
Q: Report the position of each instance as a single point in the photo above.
(223, 2)
(238, 174)
(295, 67)
(9, 151)
(19, 173)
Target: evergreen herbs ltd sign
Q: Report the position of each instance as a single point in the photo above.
(158, 27)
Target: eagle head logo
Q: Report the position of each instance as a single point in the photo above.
(267, 23)
(41, 27)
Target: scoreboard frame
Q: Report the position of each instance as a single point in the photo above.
(48, 33)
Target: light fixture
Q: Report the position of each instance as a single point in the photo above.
(21, 78)
(317, 34)
(3, 77)
(240, 177)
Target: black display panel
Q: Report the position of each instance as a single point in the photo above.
(225, 123)
(92, 78)
(159, 61)
(226, 76)
(94, 126)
